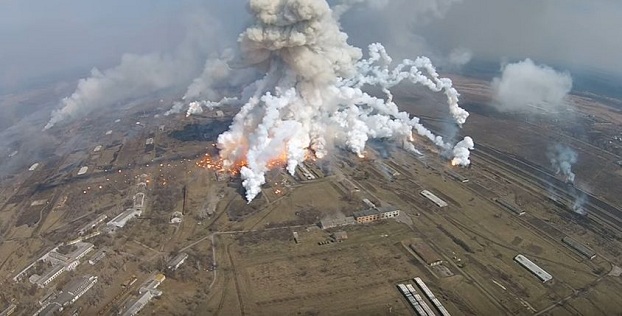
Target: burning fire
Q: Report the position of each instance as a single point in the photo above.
(220, 165)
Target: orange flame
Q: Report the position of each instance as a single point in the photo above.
(218, 164)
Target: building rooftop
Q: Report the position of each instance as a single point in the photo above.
(426, 252)
(367, 212)
(135, 306)
(533, 268)
(178, 260)
(122, 219)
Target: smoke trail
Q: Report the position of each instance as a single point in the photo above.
(562, 158)
(312, 97)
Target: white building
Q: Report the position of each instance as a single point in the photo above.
(533, 268)
(120, 220)
(49, 276)
(176, 262)
(432, 197)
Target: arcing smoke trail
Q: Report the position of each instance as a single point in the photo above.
(311, 98)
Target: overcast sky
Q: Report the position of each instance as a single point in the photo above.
(46, 38)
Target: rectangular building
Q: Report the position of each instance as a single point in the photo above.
(134, 307)
(511, 207)
(439, 306)
(533, 268)
(176, 262)
(435, 199)
(9, 310)
(75, 289)
(49, 276)
(367, 216)
(429, 256)
(388, 212)
(120, 220)
(579, 247)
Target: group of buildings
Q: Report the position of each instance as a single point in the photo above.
(75, 289)
(56, 263)
(146, 293)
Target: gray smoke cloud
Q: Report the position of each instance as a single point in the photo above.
(562, 158)
(460, 56)
(527, 87)
(141, 75)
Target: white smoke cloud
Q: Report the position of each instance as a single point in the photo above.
(462, 151)
(194, 108)
(526, 87)
(562, 158)
(312, 94)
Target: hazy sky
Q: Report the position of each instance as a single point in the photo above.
(43, 38)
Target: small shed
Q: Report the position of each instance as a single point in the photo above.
(340, 235)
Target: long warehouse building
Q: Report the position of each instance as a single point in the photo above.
(411, 299)
(439, 306)
(582, 249)
(420, 300)
(533, 268)
(435, 199)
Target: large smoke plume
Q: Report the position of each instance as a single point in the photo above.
(527, 87)
(311, 97)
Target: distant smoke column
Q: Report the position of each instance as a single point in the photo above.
(194, 108)
(579, 201)
(562, 158)
(311, 98)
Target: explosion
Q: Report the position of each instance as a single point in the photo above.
(311, 98)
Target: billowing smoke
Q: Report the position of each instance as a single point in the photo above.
(137, 75)
(527, 87)
(562, 158)
(194, 108)
(577, 205)
(140, 75)
(311, 97)
(462, 151)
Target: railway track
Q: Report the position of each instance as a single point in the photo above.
(597, 209)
